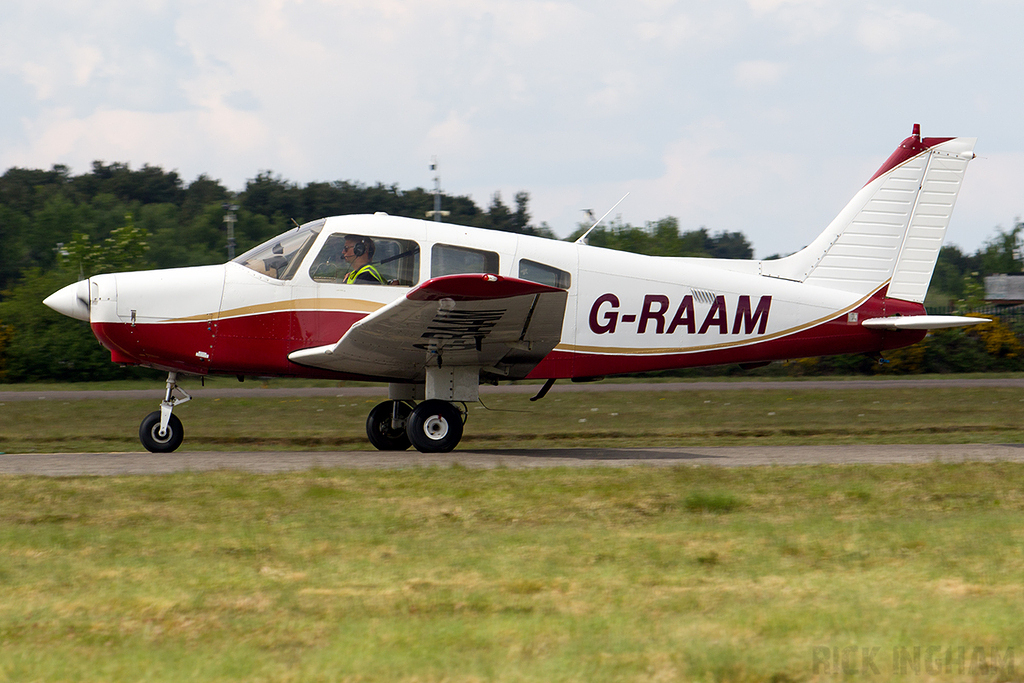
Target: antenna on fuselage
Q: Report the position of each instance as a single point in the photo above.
(582, 239)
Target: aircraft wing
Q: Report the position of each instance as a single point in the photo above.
(499, 323)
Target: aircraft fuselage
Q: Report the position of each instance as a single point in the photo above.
(625, 312)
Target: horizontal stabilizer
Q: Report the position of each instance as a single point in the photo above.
(922, 322)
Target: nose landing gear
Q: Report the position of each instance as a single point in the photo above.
(161, 430)
(156, 441)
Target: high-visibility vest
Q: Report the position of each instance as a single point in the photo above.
(368, 268)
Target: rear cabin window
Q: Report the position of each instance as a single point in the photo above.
(448, 260)
(397, 261)
(544, 274)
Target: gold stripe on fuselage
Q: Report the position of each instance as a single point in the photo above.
(311, 304)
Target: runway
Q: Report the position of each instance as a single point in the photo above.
(266, 462)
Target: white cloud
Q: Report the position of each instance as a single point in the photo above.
(757, 74)
(619, 89)
(40, 77)
(84, 60)
(693, 28)
(673, 31)
(194, 142)
(801, 21)
(893, 29)
(768, 6)
(733, 114)
(455, 134)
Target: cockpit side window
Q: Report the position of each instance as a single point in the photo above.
(446, 259)
(280, 257)
(544, 274)
(396, 261)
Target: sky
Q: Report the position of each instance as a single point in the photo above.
(759, 116)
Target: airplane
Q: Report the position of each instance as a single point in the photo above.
(435, 310)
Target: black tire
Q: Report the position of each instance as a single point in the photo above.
(379, 430)
(435, 427)
(149, 433)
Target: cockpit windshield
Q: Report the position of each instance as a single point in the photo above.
(280, 256)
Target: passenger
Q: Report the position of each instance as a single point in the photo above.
(275, 265)
(358, 254)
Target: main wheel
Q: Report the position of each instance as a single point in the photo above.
(149, 433)
(379, 429)
(435, 426)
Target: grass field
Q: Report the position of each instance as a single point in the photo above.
(696, 574)
(626, 419)
(778, 574)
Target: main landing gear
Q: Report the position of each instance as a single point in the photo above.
(433, 426)
(161, 430)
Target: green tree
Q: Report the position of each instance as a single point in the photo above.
(520, 220)
(272, 196)
(1002, 253)
(5, 337)
(733, 245)
(125, 249)
(953, 269)
(148, 185)
(662, 238)
(44, 345)
(201, 193)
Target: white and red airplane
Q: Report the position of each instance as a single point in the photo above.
(445, 308)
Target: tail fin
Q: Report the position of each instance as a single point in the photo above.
(892, 230)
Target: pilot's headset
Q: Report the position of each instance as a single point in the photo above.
(362, 246)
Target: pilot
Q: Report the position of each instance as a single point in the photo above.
(358, 254)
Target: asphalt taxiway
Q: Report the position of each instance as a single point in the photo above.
(110, 464)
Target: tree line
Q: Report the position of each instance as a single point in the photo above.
(57, 227)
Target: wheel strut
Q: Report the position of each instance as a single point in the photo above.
(171, 400)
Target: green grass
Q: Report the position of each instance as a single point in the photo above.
(880, 414)
(289, 382)
(644, 574)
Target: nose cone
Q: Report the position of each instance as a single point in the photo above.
(72, 301)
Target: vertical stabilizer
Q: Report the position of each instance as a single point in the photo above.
(892, 230)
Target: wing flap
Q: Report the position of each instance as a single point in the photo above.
(486, 321)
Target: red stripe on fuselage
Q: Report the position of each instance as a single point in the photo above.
(249, 345)
(260, 344)
(838, 336)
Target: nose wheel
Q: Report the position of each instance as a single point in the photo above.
(154, 440)
(161, 430)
